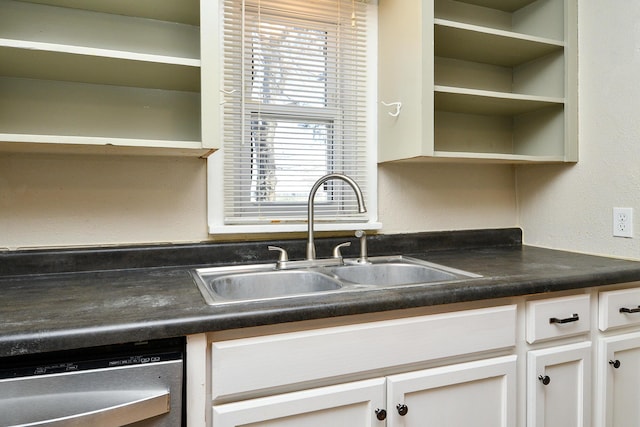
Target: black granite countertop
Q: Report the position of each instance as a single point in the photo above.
(56, 300)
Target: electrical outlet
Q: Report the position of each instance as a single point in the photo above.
(623, 222)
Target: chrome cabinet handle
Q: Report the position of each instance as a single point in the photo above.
(615, 363)
(573, 318)
(402, 409)
(630, 310)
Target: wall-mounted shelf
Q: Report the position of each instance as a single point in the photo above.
(487, 45)
(503, 5)
(44, 61)
(102, 73)
(473, 101)
(485, 80)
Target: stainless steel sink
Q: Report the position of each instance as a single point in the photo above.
(257, 282)
(260, 282)
(398, 270)
(391, 274)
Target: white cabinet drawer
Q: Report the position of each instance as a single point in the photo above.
(557, 317)
(619, 308)
(253, 364)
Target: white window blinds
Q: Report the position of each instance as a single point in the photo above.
(295, 108)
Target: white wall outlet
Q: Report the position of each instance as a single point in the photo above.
(623, 222)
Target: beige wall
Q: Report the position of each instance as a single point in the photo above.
(570, 207)
(84, 200)
(429, 197)
(58, 200)
(93, 200)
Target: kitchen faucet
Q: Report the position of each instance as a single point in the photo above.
(311, 249)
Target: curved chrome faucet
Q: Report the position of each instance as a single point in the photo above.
(311, 248)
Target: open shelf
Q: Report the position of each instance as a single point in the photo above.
(498, 47)
(471, 101)
(544, 19)
(89, 145)
(494, 81)
(458, 157)
(503, 5)
(101, 73)
(96, 30)
(50, 111)
(180, 11)
(507, 137)
(53, 62)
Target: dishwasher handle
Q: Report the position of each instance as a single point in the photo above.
(113, 408)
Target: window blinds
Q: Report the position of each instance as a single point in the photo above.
(294, 83)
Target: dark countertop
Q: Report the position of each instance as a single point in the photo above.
(51, 310)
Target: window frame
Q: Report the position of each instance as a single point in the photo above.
(215, 162)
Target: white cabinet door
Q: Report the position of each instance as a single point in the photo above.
(479, 394)
(619, 375)
(346, 405)
(559, 386)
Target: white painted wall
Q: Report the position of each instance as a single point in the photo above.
(570, 207)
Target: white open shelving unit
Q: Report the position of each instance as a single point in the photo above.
(93, 75)
(490, 80)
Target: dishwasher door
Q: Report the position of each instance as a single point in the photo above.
(141, 389)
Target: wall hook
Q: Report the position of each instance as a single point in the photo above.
(398, 106)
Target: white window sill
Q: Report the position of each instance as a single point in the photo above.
(290, 228)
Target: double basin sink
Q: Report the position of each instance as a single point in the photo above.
(256, 282)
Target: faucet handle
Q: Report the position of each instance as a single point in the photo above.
(336, 250)
(284, 257)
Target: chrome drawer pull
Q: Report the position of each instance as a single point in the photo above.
(630, 310)
(573, 318)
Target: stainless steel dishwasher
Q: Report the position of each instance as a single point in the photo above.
(136, 384)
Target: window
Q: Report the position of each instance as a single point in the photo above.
(298, 79)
